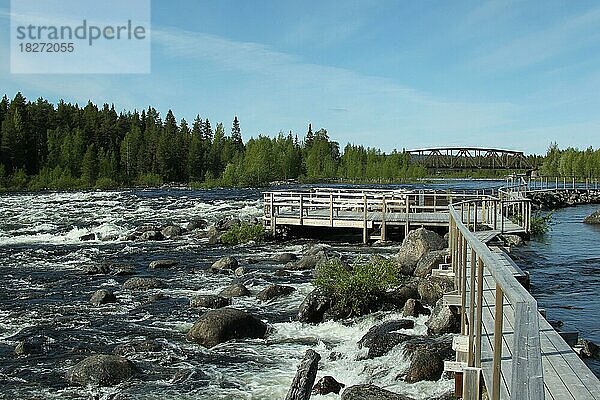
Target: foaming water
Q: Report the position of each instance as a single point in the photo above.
(45, 293)
(565, 272)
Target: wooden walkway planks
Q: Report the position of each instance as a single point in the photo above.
(565, 375)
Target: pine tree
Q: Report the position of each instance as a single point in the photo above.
(236, 135)
(89, 167)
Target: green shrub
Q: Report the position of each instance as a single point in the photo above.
(540, 223)
(243, 233)
(106, 183)
(356, 288)
(150, 180)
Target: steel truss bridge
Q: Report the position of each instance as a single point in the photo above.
(467, 158)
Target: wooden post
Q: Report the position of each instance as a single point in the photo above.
(472, 292)
(475, 216)
(407, 226)
(273, 221)
(495, 215)
(478, 318)
(365, 229)
(463, 290)
(383, 207)
(331, 209)
(301, 209)
(497, 358)
(471, 384)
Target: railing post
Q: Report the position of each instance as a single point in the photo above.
(407, 226)
(383, 227)
(331, 209)
(497, 358)
(463, 288)
(495, 214)
(301, 209)
(472, 292)
(273, 218)
(365, 229)
(478, 318)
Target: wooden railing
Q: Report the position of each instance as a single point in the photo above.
(470, 258)
(541, 183)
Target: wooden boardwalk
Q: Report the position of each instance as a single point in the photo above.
(374, 211)
(505, 338)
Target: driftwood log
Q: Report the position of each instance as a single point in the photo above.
(305, 377)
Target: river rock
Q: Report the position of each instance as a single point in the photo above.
(102, 296)
(210, 301)
(589, 349)
(87, 237)
(429, 261)
(225, 265)
(427, 357)
(274, 291)
(513, 240)
(443, 319)
(236, 290)
(227, 223)
(433, 288)
(370, 392)
(152, 236)
(28, 347)
(415, 245)
(162, 264)
(135, 347)
(102, 370)
(197, 223)
(195, 376)
(311, 257)
(396, 298)
(326, 385)
(593, 218)
(314, 306)
(380, 339)
(223, 324)
(414, 308)
(172, 231)
(284, 257)
(143, 283)
(239, 272)
(110, 269)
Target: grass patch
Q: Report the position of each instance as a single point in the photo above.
(358, 287)
(243, 233)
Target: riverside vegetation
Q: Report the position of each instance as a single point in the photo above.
(66, 146)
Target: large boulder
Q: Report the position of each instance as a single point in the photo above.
(274, 291)
(433, 288)
(284, 257)
(593, 218)
(162, 264)
(110, 269)
(314, 306)
(152, 235)
(370, 392)
(29, 347)
(396, 298)
(235, 290)
(427, 357)
(223, 324)
(197, 223)
(227, 223)
(102, 296)
(172, 231)
(382, 338)
(225, 265)
(430, 261)
(415, 245)
(311, 257)
(210, 301)
(143, 283)
(102, 370)
(414, 308)
(443, 319)
(326, 385)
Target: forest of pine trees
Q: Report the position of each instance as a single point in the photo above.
(43, 146)
(65, 146)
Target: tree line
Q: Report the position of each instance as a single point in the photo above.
(67, 146)
(571, 162)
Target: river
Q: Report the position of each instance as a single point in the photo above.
(45, 296)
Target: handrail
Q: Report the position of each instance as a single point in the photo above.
(526, 374)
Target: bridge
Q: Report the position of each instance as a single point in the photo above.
(505, 344)
(470, 158)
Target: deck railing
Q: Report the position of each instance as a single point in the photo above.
(470, 258)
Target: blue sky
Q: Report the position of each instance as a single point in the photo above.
(389, 74)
